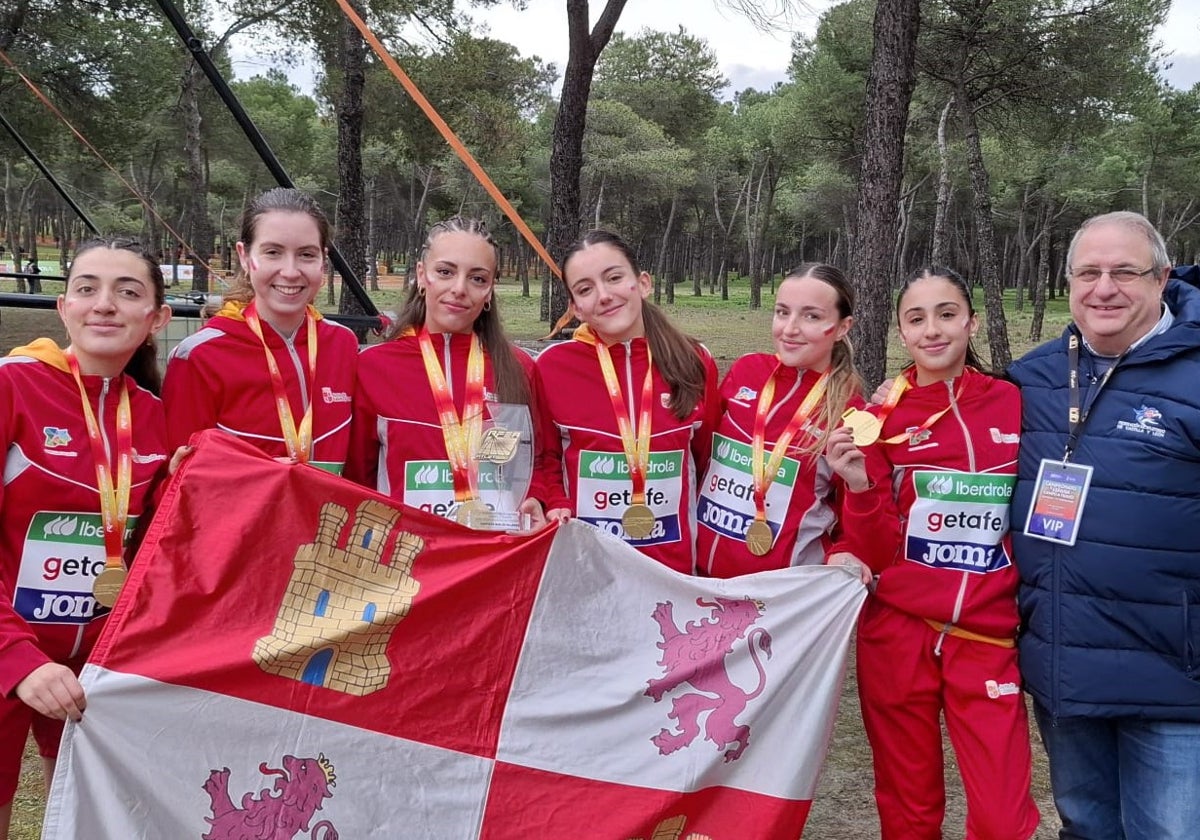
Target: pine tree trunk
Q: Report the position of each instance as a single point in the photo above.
(941, 240)
(193, 146)
(351, 230)
(985, 236)
(889, 91)
(566, 151)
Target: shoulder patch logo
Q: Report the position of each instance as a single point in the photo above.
(1147, 416)
(917, 435)
(1145, 422)
(56, 437)
(1003, 437)
(332, 396)
(745, 394)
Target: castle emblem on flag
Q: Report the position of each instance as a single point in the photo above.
(672, 829)
(300, 788)
(342, 604)
(699, 654)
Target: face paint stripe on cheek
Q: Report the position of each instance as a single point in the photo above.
(253, 263)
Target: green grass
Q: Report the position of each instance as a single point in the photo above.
(728, 328)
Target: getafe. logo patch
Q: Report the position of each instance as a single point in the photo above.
(56, 437)
(1145, 422)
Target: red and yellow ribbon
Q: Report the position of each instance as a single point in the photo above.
(462, 435)
(899, 386)
(636, 443)
(298, 439)
(764, 471)
(114, 498)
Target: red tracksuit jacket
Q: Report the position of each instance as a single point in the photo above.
(218, 378)
(802, 506)
(592, 477)
(51, 535)
(397, 446)
(937, 536)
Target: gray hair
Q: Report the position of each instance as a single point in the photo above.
(1135, 222)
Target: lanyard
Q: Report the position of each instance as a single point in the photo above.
(636, 444)
(899, 386)
(764, 474)
(462, 436)
(299, 439)
(1077, 416)
(114, 500)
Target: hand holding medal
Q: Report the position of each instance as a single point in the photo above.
(864, 426)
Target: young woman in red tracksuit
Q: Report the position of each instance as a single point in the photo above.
(927, 510)
(268, 368)
(633, 402)
(84, 438)
(444, 366)
(767, 464)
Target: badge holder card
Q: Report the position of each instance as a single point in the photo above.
(1059, 495)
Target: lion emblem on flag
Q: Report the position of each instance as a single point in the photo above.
(698, 655)
(301, 787)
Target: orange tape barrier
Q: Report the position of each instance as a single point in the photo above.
(448, 133)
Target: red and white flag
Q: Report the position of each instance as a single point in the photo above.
(296, 657)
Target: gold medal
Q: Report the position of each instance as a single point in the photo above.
(865, 426)
(470, 510)
(107, 586)
(759, 538)
(638, 521)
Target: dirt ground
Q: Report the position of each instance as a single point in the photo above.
(843, 809)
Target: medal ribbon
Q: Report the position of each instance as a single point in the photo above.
(114, 501)
(461, 435)
(764, 474)
(899, 386)
(636, 444)
(299, 440)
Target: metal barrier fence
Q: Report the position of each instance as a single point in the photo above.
(185, 317)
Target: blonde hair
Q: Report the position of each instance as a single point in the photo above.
(844, 381)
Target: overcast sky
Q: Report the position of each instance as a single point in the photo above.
(747, 56)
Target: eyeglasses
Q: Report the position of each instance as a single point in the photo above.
(1120, 276)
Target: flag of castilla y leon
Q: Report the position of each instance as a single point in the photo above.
(296, 657)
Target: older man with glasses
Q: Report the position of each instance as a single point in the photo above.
(1106, 520)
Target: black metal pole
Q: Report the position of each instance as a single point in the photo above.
(256, 139)
(49, 177)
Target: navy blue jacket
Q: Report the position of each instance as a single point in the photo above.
(1111, 625)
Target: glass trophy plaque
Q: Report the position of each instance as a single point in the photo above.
(505, 459)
